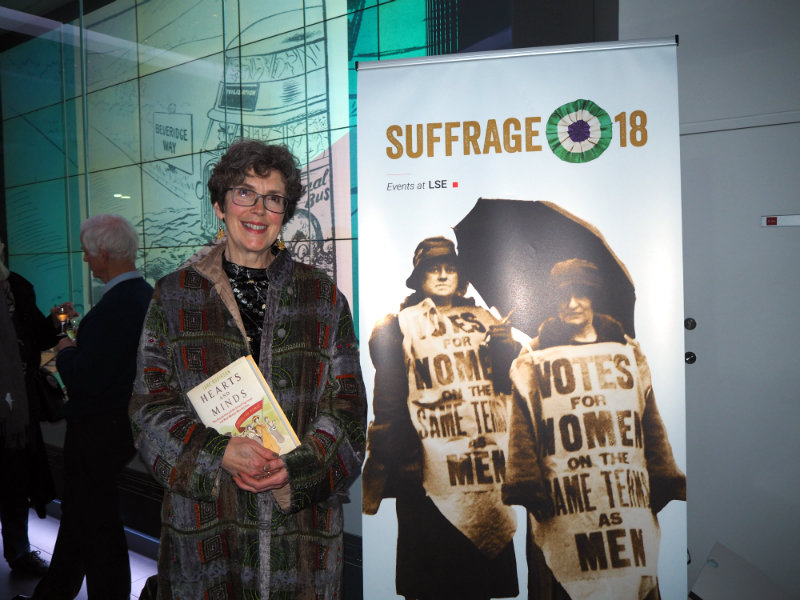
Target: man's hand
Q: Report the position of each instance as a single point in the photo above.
(68, 307)
(65, 342)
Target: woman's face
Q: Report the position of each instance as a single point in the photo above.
(440, 282)
(252, 229)
(576, 310)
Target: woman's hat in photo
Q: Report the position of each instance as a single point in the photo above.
(575, 272)
(433, 249)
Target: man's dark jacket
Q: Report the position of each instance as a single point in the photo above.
(99, 372)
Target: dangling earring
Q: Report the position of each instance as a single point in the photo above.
(220, 231)
(277, 246)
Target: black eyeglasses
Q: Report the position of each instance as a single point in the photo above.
(247, 197)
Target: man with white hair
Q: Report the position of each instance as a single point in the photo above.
(98, 369)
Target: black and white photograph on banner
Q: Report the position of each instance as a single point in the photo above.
(520, 284)
(439, 439)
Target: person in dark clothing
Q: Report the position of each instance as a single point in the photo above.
(435, 391)
(24, 470)
(588, 451)
(98, 370)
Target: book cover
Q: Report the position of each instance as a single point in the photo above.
(237, 401)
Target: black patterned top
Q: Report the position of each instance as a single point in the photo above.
(250, 289)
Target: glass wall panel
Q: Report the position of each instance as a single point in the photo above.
(274, 84)
(173, 206)
(111, 49)
(30, 75)
(173, 32)
(168, 85)
(337, 47)
(50, 290)
(74, 147)
(259, 20)
(33, 146)
(113, 126)
(118, 191)
(74, 214)
(402, 29)
(178, 117)
(39, 211)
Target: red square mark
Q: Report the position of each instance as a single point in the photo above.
(772, 220)
(455, 184)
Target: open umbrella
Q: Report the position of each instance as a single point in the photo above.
(507, 248)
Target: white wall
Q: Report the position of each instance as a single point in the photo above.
(739, 84)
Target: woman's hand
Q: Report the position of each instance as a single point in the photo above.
(253, 467)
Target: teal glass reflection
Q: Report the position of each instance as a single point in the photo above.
(275, 86)
(78, 278)
(73, 131)
(338, 73)
(362, 47)
(362, 36)
(75, 192)
(30, 78)
(117, 191)
(72, 63)
(158, 262)
(177, 113)
(113, 127)
(111, 49)
(402, 29)
(359, 5)
(49, 274)
(335, 9)
(319, 72)
(35, 216)
(260, 20)
(174, 32)
(174, 205)
(171, 83)
(33, 146)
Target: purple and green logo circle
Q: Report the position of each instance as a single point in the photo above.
(579, 131)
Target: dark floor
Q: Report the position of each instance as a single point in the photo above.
(42, 535)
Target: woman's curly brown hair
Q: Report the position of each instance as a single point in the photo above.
(244, 156)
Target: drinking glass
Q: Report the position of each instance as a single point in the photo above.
(63, 318)
(72, 328)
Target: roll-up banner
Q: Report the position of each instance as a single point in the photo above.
(520, 285)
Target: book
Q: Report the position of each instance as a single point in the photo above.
(237, 401)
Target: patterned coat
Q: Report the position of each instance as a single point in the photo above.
(218, 541)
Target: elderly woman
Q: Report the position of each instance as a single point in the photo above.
(240, 521)
(440, 433)
(588, 453)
